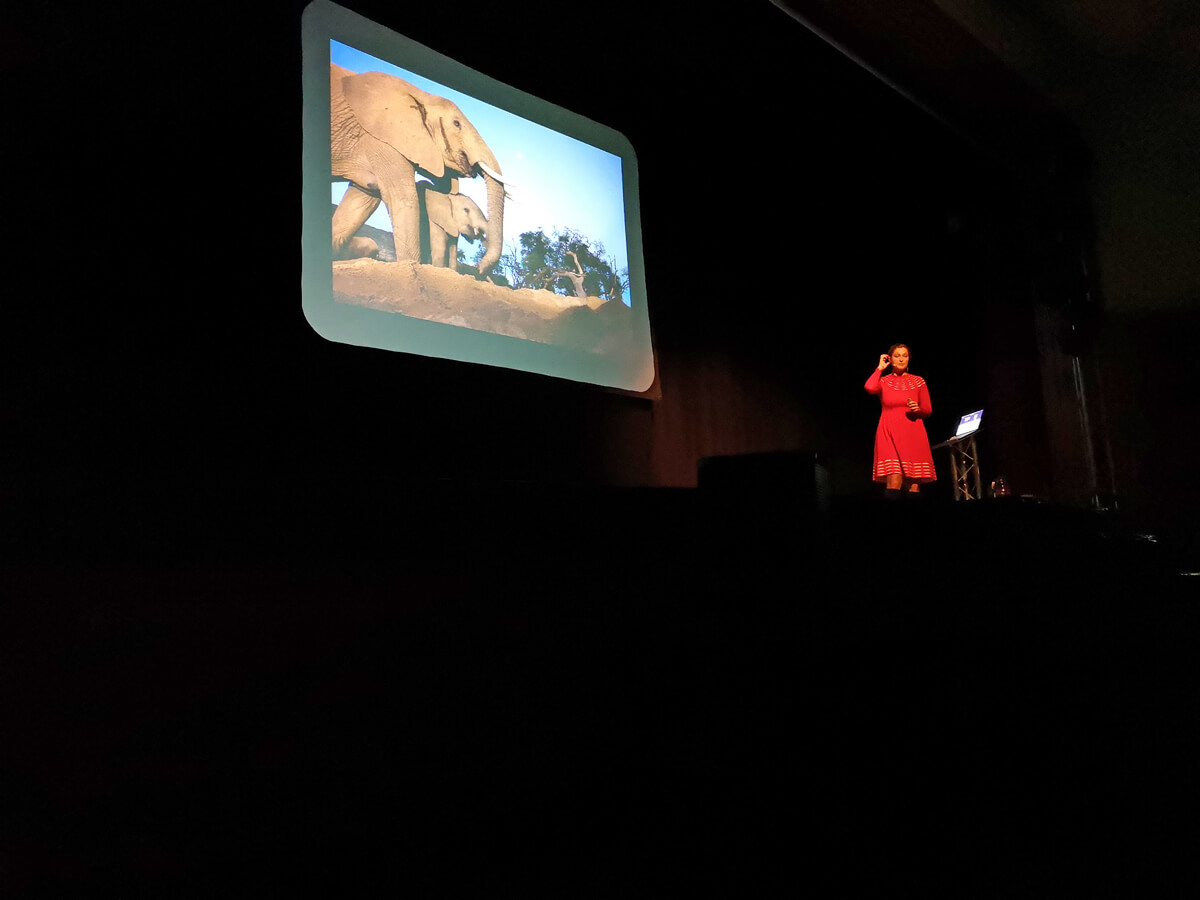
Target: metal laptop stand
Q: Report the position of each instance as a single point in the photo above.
(964, 466)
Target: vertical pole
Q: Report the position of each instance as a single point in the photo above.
(1085, 425)
(954, 469)
(975, 456)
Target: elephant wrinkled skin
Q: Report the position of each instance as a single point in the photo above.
(384, 130)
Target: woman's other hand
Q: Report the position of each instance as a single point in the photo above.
(914, 406)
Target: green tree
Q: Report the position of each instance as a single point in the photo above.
(565, 262)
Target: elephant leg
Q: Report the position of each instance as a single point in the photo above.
(452, 252)
(356, 207)
(437, 246)
(400, 197)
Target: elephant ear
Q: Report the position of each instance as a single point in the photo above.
(436, 205)
(438, 208)
(393, 111)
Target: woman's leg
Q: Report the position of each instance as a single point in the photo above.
(892, 487)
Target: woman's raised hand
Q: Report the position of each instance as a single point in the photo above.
(884, 359)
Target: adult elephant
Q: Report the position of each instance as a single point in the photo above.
(359, 248)
(383, 130)
(443, 218)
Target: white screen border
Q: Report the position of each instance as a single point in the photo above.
(633, 371)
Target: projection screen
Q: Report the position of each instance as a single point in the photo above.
(450, 215)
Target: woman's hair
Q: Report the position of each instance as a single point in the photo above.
(892, 349)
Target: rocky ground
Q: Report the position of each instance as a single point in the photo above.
(453, 298)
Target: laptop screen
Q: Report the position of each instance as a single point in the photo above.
(968, 424)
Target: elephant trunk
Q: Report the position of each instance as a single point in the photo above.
(495, 226)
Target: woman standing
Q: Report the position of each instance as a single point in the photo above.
(903, 460)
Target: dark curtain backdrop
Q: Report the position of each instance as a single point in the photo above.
(158, 349)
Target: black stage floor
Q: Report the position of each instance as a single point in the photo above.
(521, 691)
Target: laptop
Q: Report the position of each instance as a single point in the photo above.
(968, 424)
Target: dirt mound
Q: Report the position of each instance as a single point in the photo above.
(442, 295)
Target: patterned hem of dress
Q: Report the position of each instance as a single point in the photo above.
(910, 470)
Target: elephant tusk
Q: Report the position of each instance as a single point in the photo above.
(492, 173)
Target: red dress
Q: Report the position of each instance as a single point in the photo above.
(901, 445)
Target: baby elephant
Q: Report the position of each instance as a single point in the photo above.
(443, 218)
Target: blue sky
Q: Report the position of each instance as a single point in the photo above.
(556, 181)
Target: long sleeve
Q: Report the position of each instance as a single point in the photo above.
(924, 402)
(872, 385)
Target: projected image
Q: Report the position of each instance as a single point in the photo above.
(448, 209)
(450, 215)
